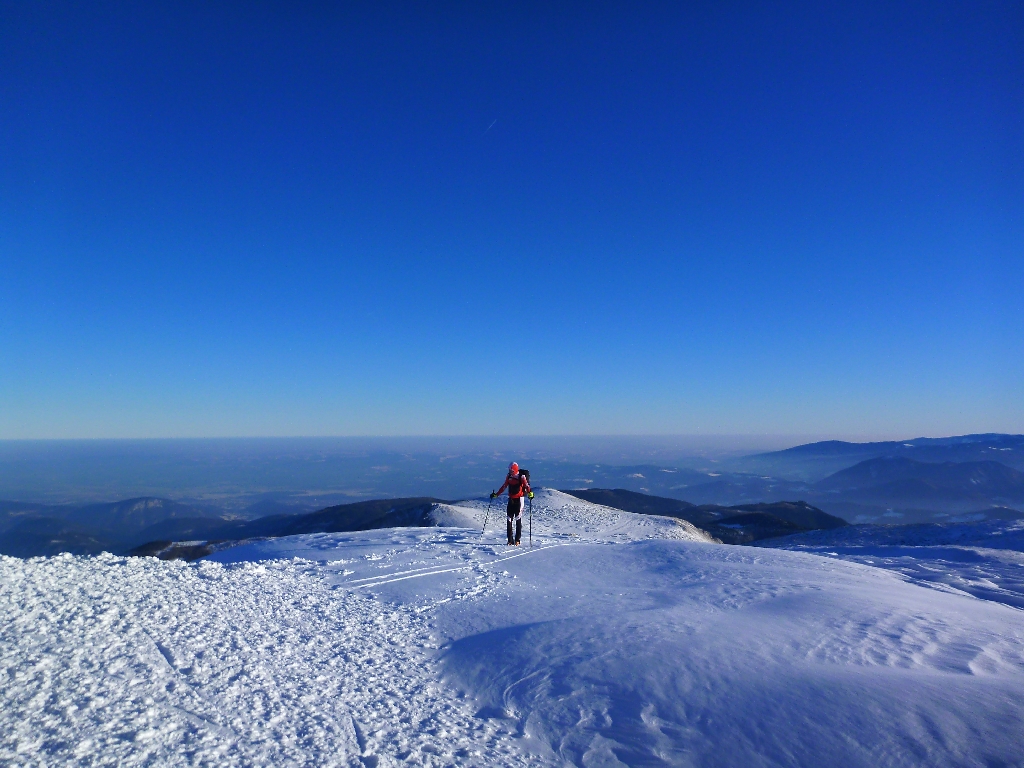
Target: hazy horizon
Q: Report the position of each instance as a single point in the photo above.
(250, 467)
(724, 440)
(301, 472)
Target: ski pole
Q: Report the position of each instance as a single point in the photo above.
(487, 513)
(531, 523)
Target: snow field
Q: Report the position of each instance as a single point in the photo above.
(623, 641)
(134, 661)
(674, 653)
(618, 639)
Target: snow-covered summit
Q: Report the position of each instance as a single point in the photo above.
(560, 516)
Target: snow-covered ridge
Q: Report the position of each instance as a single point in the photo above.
(558, 515)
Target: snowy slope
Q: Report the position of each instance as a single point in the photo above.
(984, 559)
(615, 640)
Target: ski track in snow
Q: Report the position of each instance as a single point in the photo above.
(617, 639)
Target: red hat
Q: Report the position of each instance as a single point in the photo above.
(513, 468)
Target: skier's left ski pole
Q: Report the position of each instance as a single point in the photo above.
(531, 523)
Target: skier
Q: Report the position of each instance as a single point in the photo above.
(518, 486)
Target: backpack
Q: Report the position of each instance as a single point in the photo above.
(524, 473)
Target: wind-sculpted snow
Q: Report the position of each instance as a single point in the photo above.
(984, 559)
(680, 654)
(617, 639)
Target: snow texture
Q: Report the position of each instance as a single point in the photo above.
(984, 559)
(618, 639)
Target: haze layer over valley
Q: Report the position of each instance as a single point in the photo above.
(93, 496)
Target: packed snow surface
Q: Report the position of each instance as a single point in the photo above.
(617, 639)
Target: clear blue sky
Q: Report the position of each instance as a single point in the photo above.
(476, 218)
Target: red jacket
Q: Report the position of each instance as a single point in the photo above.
(517, 486)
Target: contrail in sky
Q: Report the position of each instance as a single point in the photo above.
(490, 126)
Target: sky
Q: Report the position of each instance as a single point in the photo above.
(234, 219)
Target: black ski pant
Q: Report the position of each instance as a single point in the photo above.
(514, 513)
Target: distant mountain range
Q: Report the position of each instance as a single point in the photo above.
(359, 516)
(39, 529)
(815, 461)
(911, 481)
(121, 527)
(897, 478)
(35, 536)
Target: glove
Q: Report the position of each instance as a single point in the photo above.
(493, 494)
(530, 495)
